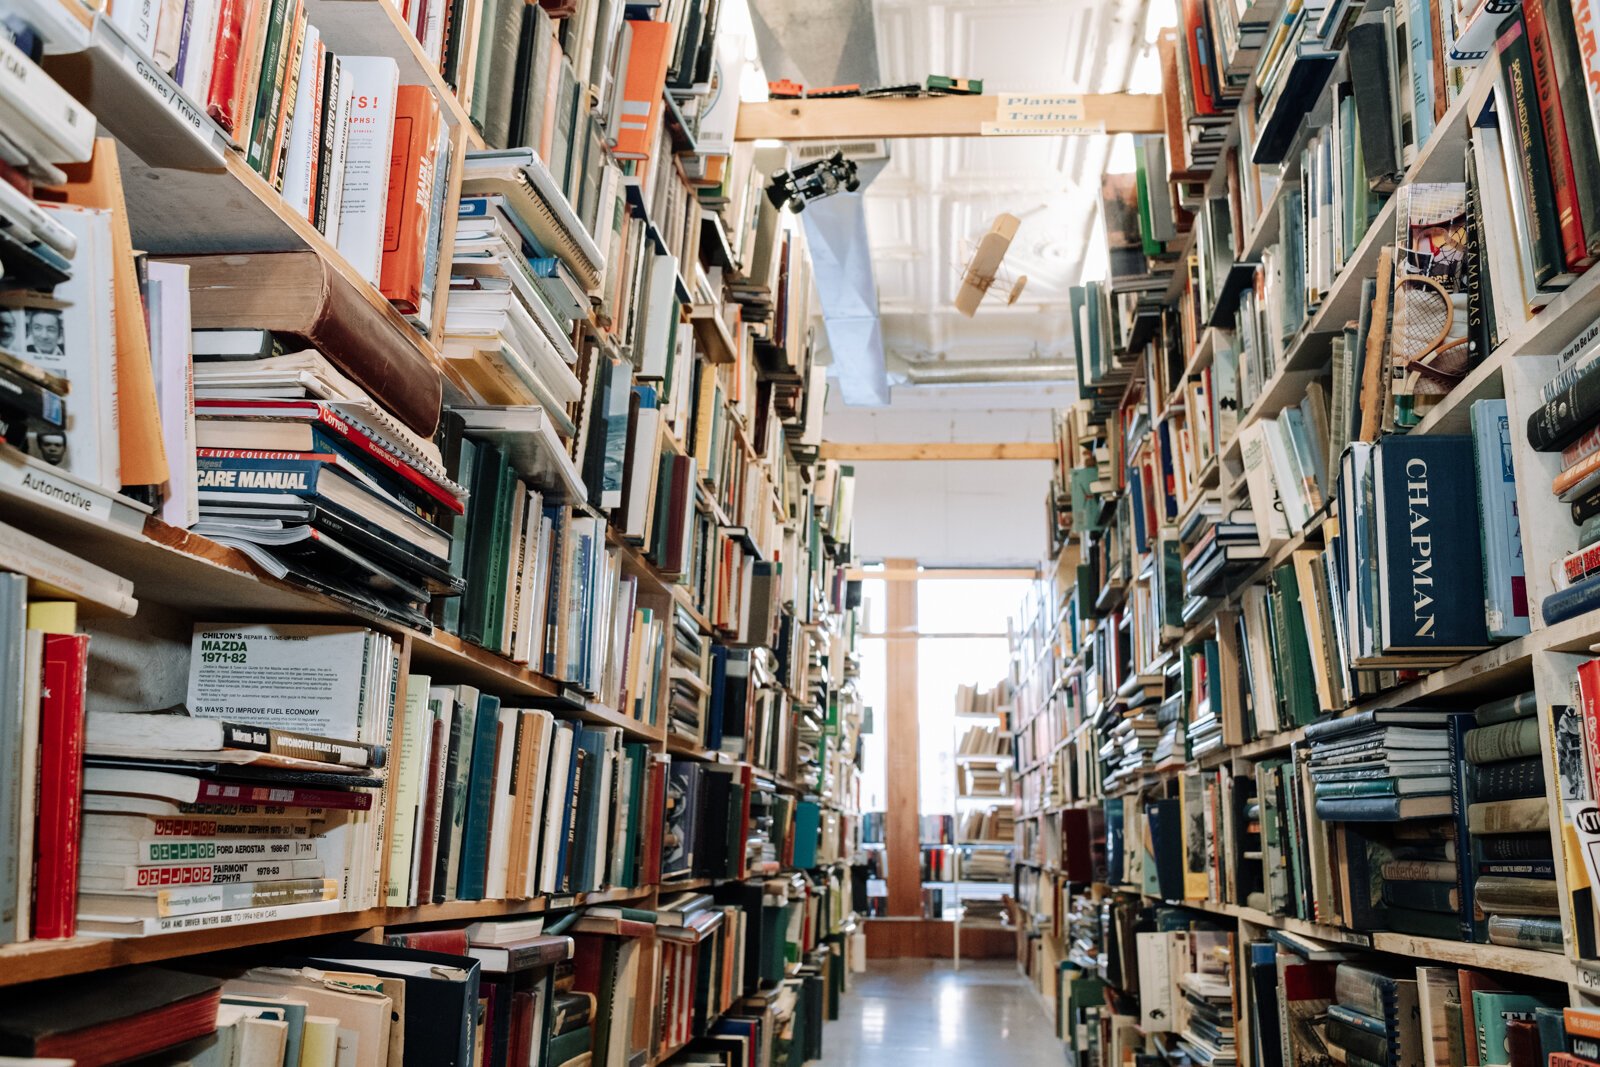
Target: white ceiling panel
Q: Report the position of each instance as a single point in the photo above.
(936, 198)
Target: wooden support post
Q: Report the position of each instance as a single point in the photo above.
(859, 451)
(902, 832)
(858, 118)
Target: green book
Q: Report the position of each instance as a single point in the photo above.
(495, 603)
(450, 614)
(280, 28)
(479, 539)
(570, 1045)
(1491, 1012)
(1294, 647)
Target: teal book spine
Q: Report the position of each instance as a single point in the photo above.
(473, 875)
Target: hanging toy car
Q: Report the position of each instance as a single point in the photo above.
(813, 181)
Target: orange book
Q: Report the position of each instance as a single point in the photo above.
(412, 163)
(1581, 1022)
(649, 52)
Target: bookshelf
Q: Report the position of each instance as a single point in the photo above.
(1163, 798)
(743, 682)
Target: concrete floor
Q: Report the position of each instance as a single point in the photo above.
(921, 1013)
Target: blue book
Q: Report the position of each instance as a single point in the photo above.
(1505, 582)
(1430, 567)
(472, 877)
(1574, 600)
(717, 705)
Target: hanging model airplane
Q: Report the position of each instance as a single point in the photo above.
(984, 266)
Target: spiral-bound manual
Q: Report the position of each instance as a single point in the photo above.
(521, 177)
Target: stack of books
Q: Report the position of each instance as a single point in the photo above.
(259, 800)
(327, 490)
(1381, 766)
(1514, 888)
(1374, 1015)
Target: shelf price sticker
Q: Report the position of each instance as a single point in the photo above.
(1040, 115)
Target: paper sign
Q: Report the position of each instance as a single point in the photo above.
(1040, 114)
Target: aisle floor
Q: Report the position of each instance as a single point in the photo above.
(923, 1013)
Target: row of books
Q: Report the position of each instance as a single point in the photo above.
(566, 989)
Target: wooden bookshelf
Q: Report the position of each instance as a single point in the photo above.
(1060, 767)
(189, 192)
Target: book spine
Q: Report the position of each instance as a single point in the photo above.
(1508, 817)
(191, 849)
(1563, 419)
(327, 140)
(301, 746)
(1525, 129)
(60, 805)
(1508, 780)
(1566, 603)
(218, 792)
(411, 177)
(288, 91)
(238, 872)
(1503, 741)
(1558, 155)
(268, 89)
(192, 900)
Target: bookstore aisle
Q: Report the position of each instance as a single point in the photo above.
(914, 1012)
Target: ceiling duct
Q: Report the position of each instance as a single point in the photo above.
(989, 372)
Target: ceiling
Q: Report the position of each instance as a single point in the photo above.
(937, 197)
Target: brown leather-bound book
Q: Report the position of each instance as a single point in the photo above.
(300, 295)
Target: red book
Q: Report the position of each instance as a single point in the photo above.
(233, 23)
(449, 942)
(193, 789)
(522, 1006)
(1589, 697)
(1197, 47)
(412, 163)
(650, 868)
(317, 413)
(1562, 177)
(66, 679)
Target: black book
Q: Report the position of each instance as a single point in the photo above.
(24, 399)
(136, 1010)
(1369, 43)
(1517, 101)
(332, 123)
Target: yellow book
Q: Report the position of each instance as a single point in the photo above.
(53, 616)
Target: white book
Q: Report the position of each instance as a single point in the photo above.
(306, 678)
(1286, 473)
(169, 319)
(306, 127)
(556, 783)
(63, 128)
(415, 741)
(199, 58)
(660, 297)
(364, 180)
(122, 926)
(610, 751)
(533, 519)
(38, 221)
(32, 679)
(500, 817)
(1271, 524)
(85, 353)
(139, 21)
(169, 34)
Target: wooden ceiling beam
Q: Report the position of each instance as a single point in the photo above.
(850, 451)
(864, 118)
